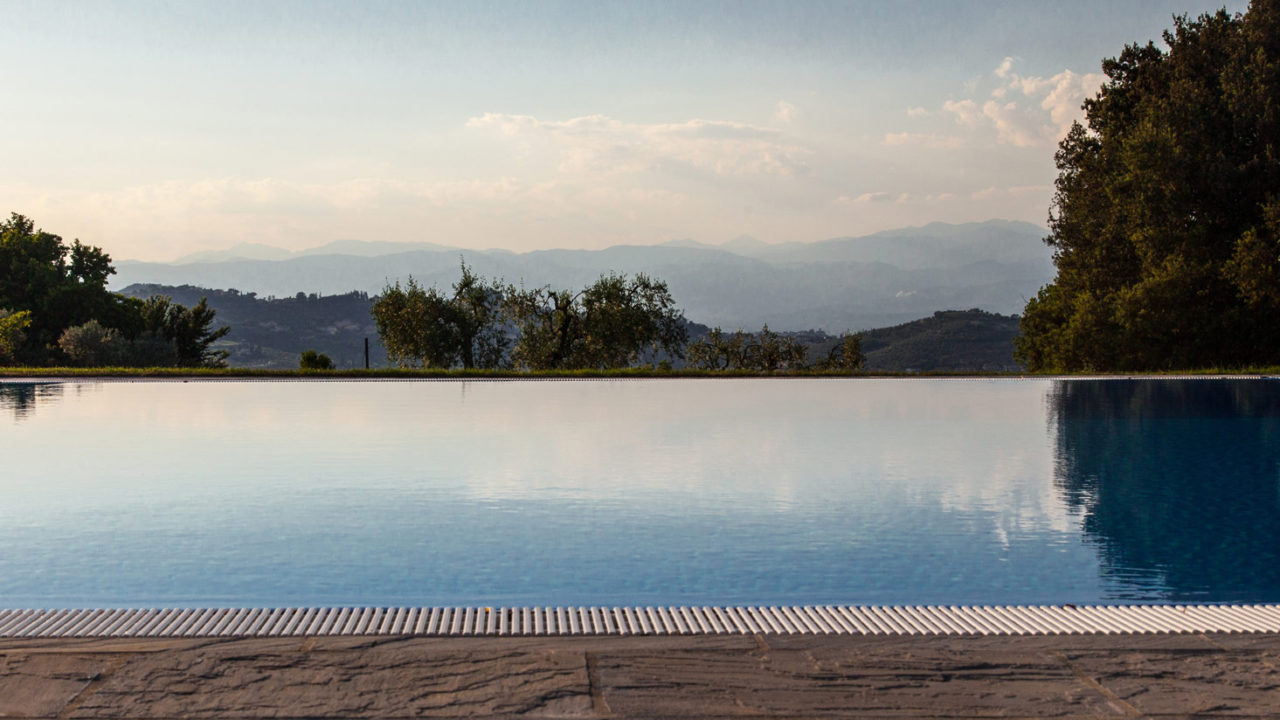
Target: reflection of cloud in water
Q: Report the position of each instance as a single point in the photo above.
(798, 490)
(816, 438)
(975, 448)
(968, 445)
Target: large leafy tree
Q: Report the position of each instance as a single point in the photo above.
(58, 285)
(12, 333)
(1166, 221)
(186, 332)
(55, 307)
(611, 323)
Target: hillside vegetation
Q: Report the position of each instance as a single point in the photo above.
(949, 340)
(271, 333)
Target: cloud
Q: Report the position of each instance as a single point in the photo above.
(598, 143)
(917, 112)
(1067, 92)
(785, 111)
(874, 197)
(164, 220)
(1015, 126)
(932, 141)
(966, 112)
(943, 200)
(1027, 110)
(1060, 95)
(270, 195)
(878, 198)
(1012, 191)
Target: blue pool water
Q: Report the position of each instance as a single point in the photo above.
(639, 492)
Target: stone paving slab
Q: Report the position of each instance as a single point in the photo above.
(645, 677)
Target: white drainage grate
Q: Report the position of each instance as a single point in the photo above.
(791, 620)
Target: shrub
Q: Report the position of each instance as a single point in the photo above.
(312, 360)
(91, 344)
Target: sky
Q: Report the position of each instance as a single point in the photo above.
(158, 129)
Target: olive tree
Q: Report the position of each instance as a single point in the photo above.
(424, 327)
(612, 323)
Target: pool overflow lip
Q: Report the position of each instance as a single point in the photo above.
(145, 379)
(656, 620)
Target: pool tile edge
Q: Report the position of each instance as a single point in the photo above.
(896, 620)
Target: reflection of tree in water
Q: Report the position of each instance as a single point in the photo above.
(21, 398)
(1178, 480)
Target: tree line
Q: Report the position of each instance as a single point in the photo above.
(767, 351)
(55, 309)
(616, 322)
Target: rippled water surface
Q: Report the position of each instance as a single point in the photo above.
(639, 492)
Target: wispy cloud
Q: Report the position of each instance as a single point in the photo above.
(291, 214)
(599, 143)
(1013, 191)
(1005, 66)
(876, 198)
(894, 198)
(932, 141)
(785, 112)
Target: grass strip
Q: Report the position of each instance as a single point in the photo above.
(455, 374)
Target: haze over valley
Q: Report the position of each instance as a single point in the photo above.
(851, 283)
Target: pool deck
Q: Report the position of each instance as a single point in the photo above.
(789, 676)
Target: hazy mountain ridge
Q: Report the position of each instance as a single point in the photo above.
(836, 284)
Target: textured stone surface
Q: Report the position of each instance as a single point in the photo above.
(770, 676)
(39, 685)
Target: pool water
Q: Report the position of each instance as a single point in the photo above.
(742, 491)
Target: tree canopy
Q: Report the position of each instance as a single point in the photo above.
(58, 285)
(55, 307)
(188, 331)
(312, 360)
(1165, 223)
(483, 324)
(765, 351)
(423, 327)
(611, 323)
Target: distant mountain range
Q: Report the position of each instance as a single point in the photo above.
(850, 283)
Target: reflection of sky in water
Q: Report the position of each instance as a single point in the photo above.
(726, 491)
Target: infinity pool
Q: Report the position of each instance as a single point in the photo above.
(781, 491)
